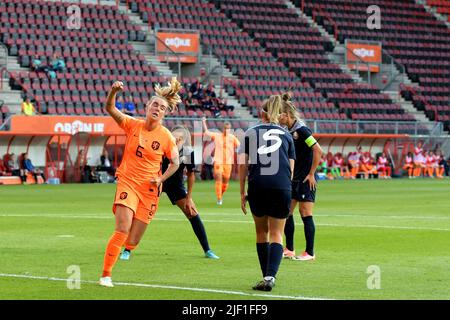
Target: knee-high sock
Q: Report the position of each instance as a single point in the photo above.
(275, 257)
(199, 230)
(388, 171)
(410, 172)
(417, 172)
(219, 189)
(310, 230)
(112, 251)
(289, 229)
(224, 187)
(263, 255)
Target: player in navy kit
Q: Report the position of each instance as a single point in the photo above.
(176, 191)
(267, 157)
(304, 184)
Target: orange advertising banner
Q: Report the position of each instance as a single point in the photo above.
(369, 53)
(184, 43)
(53, 125)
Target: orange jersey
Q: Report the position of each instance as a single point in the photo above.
(225, 147)
(144, 151)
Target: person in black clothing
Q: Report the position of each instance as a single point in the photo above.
(267, 158)
(177, 193)
(304, 184)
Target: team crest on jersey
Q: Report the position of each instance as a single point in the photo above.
(155, 145)
(123, 195)
(295, 135)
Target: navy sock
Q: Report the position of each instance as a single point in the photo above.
(263, 255)
(275, 257)
(310, 230)
(199, 230)
(289, 230)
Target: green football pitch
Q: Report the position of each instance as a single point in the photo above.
(374, 240)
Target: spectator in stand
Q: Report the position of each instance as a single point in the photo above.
(442, 166)
(419, 160)
(29, 167)
(409, 165)
(2, 168)
(87, 172)
(323, 165)
(190, 102)
(129, 107)
(27, 107)
(193, 87)
(215, 109)
(210, 90)
(353, 161)
(430, 163)
(119, 102)
(56, 65)
(367, 166)
(336, 166)
(223, 104)
(207, 103)
(106, 163)
(383, 167)
(15, 169)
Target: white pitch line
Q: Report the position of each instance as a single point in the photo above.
(222, 214)
(145, 285)
(109, 217)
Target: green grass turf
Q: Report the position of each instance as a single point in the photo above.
(402, 226)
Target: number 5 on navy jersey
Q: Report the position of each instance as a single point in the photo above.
(271, 135)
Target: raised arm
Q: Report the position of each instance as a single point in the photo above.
(110, 106)
(205, 127)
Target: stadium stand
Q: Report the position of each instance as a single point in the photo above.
(404, 25)
(259, 73)
(301, 48)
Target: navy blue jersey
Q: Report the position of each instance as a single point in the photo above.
(303, 141)
(186, 161)
(269, 148)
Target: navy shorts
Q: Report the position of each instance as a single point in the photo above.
(302, 192)
(274, 203)
(174, 192)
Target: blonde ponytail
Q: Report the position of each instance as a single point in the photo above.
(170, 93)
(288, 107)
(272, 108)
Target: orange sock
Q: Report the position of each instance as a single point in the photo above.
(112, 252)
(224, 187)
(219, 190)
(354, 171)
(417, 172)
(130, 247)
(430, 172)
(410, 170)
(441, 172)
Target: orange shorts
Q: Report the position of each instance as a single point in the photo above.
(223, 169)
(144, 203)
